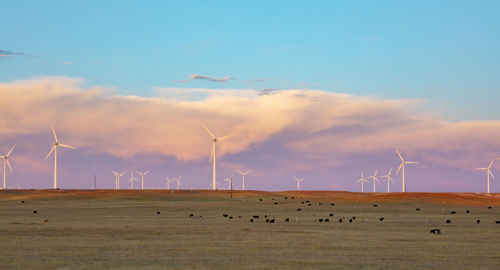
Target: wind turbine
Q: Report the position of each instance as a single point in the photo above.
(117, 179)
(229, 182)
(212, 155)
(375, 179)
(5, 164)
(488, 173)
(54, 149)
(178, 180)
(243, 177)
(362, 180)
(389, 179)
(298, 182)
(142, 176)
(403, 163)
(131, 180)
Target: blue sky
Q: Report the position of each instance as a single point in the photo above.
(445, 52)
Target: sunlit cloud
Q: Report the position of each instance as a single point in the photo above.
(210, 78)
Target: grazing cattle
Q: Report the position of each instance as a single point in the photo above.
(452, 212)
(309, 204)
(302, 202)
(158, 212)
(255, 216)
(298, 209)
(267, 220)
(448, 221)
(251, 220)
(320, 203)
(418, 209)
(35, 212)
(340, 220)
(331, 214)
(22, 201)
(353, 218)
(225, 215)
(350, 220)
(332, 204)
(497, 221)
(286, 198)
(273, 199)
(320, 220)
(265, 216)
(287, 220)
(272, 221)
(45, 220)
(375, 205)
(260, 199)
(276, 203)
(489, 207)
(201, 217)
(436, 231)
(327, 220)
(467, 211)
(381, 219)
(308, 201)
(230, 217)
(478, 221)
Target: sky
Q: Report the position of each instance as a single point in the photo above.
(315, 89)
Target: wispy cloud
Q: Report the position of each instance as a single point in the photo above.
(181, 81)
(210, 78)
(251, 82)
(268, 91)
(5, 53)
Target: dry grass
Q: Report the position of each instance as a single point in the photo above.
(121, 230)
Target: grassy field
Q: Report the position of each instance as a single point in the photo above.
(122, 230)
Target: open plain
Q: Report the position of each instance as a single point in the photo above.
(152, 229)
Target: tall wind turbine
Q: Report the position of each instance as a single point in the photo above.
(131, 180)
(389, 179)
(403, 163)
(212, 155)
(362, 180)
(298, 182)
(488, 173)
(243, 177)
(5, 164)
(54, 149)
(142, 176)
(117, 179)
(375, 179)
(168, 182)
(178, 181)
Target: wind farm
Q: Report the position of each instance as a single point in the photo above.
(250, 135)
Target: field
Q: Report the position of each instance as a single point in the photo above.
(107, 229)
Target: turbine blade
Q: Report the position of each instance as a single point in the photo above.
(139, 172)
(122, 174)
(399, 154)
(390, 171)
(239, 171)
(10, 167)
(225, 137)
(482, 169)
(115, 173)
(491, 163)
(209, 132)
(411, 162)
(54, 132)
(147, 172)
(51, 150)
(488, 172)
(402, 164)
(67, 146)
(8, 154)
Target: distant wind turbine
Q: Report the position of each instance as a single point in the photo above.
(375, 179)
(488, 173)
(54, 149)
(168, 182)
(117, 179)
(243, 177)
(389, 179)
(298, 182)
(403, 163)
(212, 155)
(229, 182)
(142, 176)
(178, 181)
(131, 180)
(362, 180)
(5, 164)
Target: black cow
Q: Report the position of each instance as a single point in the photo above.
(255, 216)
(332, 204)
(353, 218)
(418, 209)
(448, 221)
(276, 203)
(287, 220)
(272, 221)
(225, 215)
(35, 212)
(350, 220)
(436, 231)
(157, 212)
(381, 219)
(467, 211)
(375, 205)
(320, 220)
(230, 217)
(497, 221)
(309, 204)
(327, 220)
(267, 220)
(340, 220)
(331, 214)
(489, 207)
(478, 221)
(260, 200)
(251, 220)
(452, 212)
(22, 201)
(298, 209)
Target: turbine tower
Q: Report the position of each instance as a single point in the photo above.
(212, 155)
(5, 164)
(488, 173)
(131, 180)
(362, 180)
(229, 182)
(243, 177)
(298, 182)
(117, 179)
(142, 176)
(375, 179)
(389, 179)
(403, 163)
(178, 181)
(54, 149)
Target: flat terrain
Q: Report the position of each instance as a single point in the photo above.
(108, 229)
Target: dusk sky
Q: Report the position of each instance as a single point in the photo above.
(314, 89)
